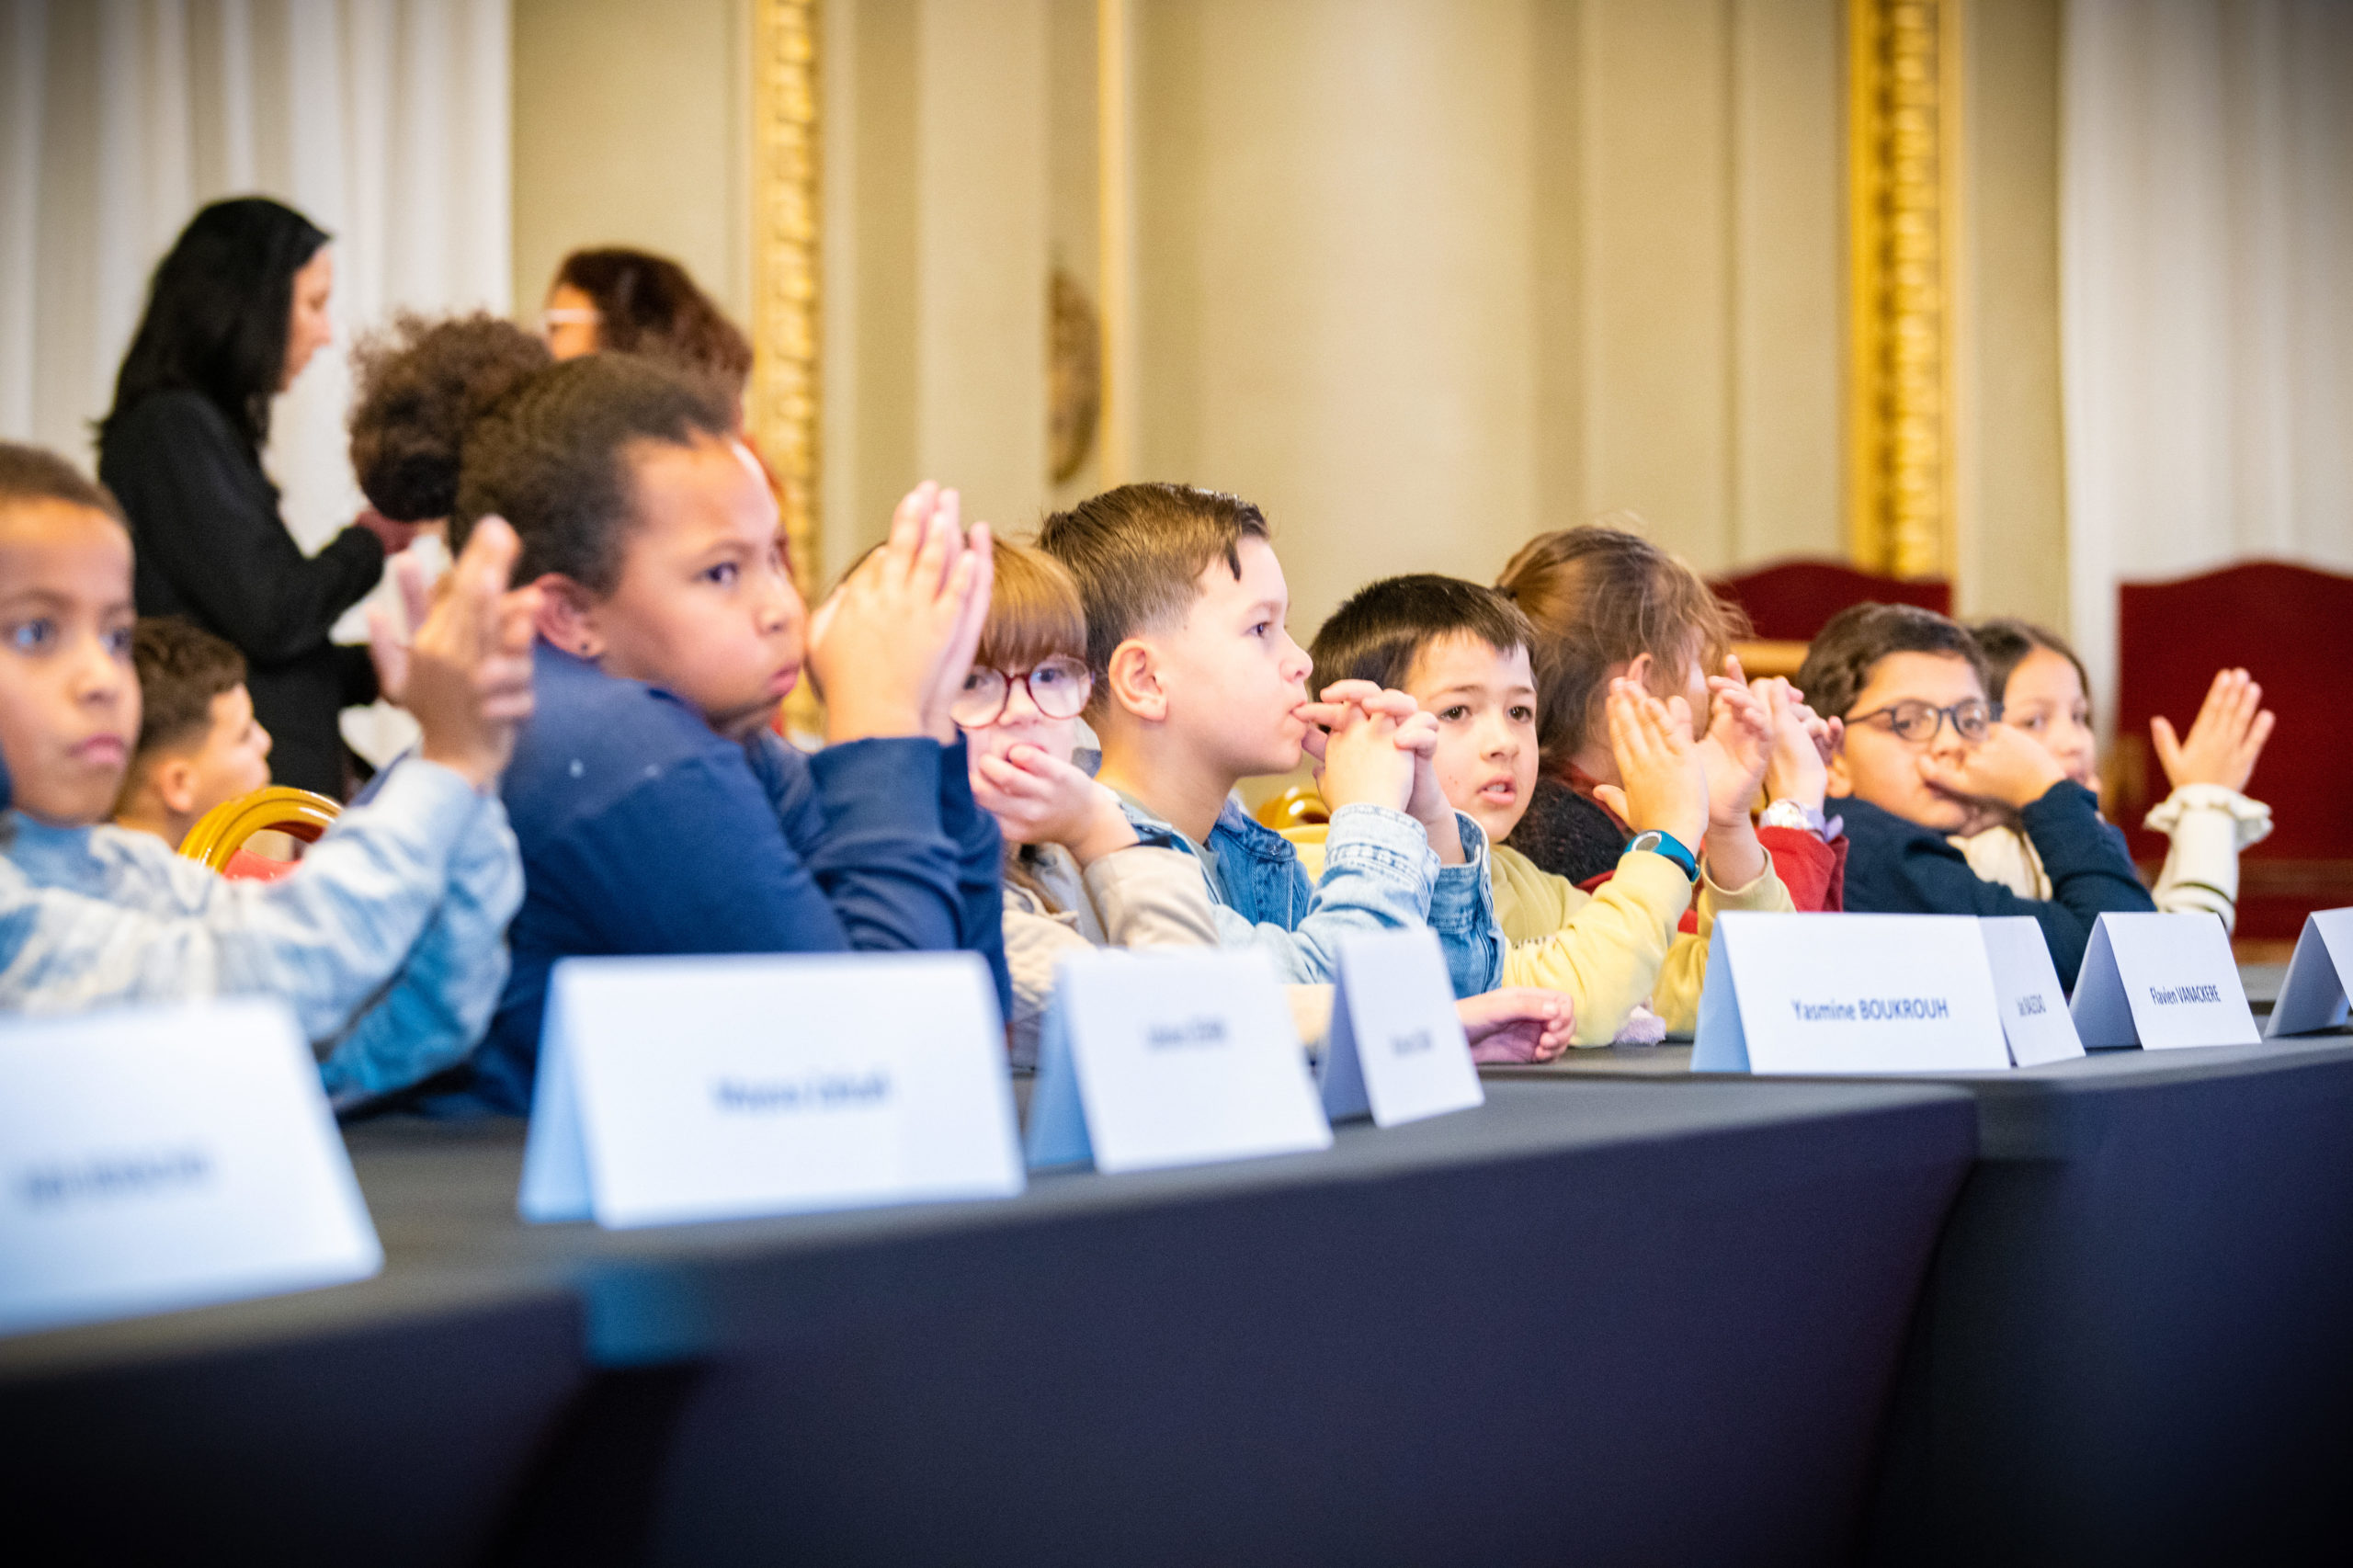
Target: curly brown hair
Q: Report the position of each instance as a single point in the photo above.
(647, 304)
(550, 449)
(419, 385)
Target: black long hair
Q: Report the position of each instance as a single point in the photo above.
(218, 312)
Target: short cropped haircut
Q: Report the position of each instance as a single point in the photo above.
(182, 667)
(1138, 553)
(1838, 664)
(1599, 598)
(1382, 627)
(1034, 611)
(35, 473)
(2007, 643)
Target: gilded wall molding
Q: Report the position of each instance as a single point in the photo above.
(787, 267)
(1904, 143)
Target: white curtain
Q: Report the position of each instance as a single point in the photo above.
(2207, 283)
(384, 121)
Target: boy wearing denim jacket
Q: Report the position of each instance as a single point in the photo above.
(1198, 687)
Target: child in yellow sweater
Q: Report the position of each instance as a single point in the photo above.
(1461, 651)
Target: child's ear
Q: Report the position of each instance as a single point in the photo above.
(174, 782)
(1841, 782)
(567, 616)
(1133, 681)
(1638, 670)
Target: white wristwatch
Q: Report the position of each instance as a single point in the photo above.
(1786, 813)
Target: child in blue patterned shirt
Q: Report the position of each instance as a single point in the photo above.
(385, 941)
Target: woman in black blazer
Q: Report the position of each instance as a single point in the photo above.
(236, 310)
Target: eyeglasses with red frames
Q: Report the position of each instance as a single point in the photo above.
(1058, 687)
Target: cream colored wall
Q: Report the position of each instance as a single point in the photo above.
(2012, 538)
(631, 127)
(1422, 278)
(1425, 278)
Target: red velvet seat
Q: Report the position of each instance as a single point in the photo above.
(1789, 601)
(2291, 627)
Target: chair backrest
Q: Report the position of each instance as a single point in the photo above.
(219, 834)
(1789, 601)
(2292, 629)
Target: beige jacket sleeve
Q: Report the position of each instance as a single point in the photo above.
(1605, 956)
(1677, 1001)
(1143, 897)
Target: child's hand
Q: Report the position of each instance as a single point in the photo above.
(1418, 733)
(2224, 742)
(1736, 750)
(1362, 763)
(1799, 768)
(2008, 767)
(1516, 1024)
(1037, 797)
(467, 675)
(891, 645)
(1663, 784)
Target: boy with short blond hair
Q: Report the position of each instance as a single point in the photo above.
(1922, 759)
(199, 745)
(1198, 685)
(385, 942)
(1462, 653)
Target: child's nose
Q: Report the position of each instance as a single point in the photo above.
(1019, 706)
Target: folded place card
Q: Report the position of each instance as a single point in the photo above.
(707, 1088)
(1396, 1049)
(162, 1157)
(1153, 1059)
(2312, 994)
(2034, 1006)
(2159, 981)
(1849, 993)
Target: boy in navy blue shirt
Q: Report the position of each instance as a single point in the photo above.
(1923, 761)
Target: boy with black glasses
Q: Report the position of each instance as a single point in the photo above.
(1922, 761)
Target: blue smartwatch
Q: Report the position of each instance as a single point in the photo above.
(1666, 843)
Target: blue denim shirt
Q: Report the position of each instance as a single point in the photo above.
(386, 944)
(1379, 873)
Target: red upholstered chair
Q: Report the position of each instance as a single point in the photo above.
(2292, 629)
(1789, 601)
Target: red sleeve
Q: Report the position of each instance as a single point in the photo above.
(1814, 872)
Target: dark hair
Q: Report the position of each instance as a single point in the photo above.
(218, 312)
(1382, 627)
(1138, 553)
(182, 667)
(647, 304)
(420, 386)
(551, 456)
(1839, 663)
(2005, 643)
(1601, 597)
(35, 473)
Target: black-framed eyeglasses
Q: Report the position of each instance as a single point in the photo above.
(1058, 688)
(1919, 721)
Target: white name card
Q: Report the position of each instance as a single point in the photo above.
(1155, 1059)
(1396, 1049)
(1849, 993)
(673, 1090)
(2034, 1006)
(2161, 981)
(2312, 994)
(155, 1158)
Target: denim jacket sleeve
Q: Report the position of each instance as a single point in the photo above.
(439, 1008)
(328, 939)
(1462, 913)
(1378, 873)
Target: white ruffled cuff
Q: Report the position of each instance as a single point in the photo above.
(2250, 820)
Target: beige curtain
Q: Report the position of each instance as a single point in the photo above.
(2207, 280)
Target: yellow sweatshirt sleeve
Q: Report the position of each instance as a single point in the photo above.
(1604, 953)
(1677, 1000)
